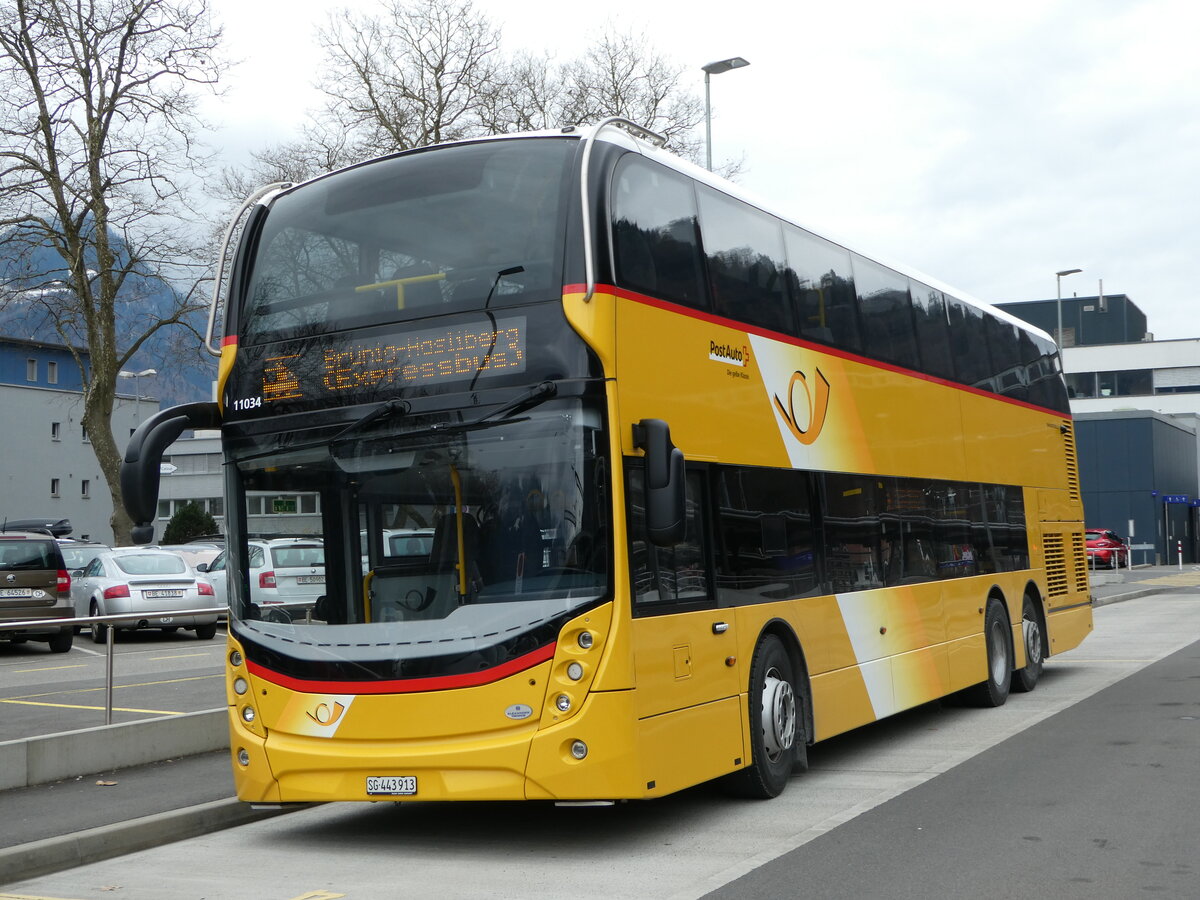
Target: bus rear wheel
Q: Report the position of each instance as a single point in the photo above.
(776, 735)
(997, 637)
(1026, 679)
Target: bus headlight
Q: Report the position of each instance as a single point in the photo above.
(243, 757)
(579, 749)
(586, 639)
(240, 685)
(235, 658)
(563, 702)
(248, 714)
(574, 671)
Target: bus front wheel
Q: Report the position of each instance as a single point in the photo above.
(776, 735)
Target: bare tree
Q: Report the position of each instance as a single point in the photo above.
(97, 141)
(620, 76)
(414, 75)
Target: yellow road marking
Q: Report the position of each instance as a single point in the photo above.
(29, 897)
(179, 656)
(311, 895)
(153, 712)
(51, 668)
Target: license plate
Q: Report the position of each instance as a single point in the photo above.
(163, 595)
(15, 592)
(392, 785)
(310, 579)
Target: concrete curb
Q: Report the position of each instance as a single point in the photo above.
(1128, 595)
(106, 841)
(41, 760)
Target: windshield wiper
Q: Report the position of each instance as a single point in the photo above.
(386, 410)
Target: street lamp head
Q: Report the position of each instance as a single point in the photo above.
(724, 65)
(1067, 272)
(141, 374)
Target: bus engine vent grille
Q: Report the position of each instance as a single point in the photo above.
(1079, 562)
(1066, 563)
(1068, 433)
(1056, 564)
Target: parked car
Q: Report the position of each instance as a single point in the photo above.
(35, 585)
(1105, 549)
(285, 573)
(148, 583)
(194, 553)
(77, 554)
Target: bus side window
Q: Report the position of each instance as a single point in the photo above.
(655, 233)
(823, 289)
(666, 578)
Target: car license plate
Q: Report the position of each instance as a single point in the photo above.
(310, 579)
(391, 785)
(15, 592)
(163, 595)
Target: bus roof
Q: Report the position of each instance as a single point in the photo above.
(622, 138)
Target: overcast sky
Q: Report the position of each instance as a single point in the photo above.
(988, 145)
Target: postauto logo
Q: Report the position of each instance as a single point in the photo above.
(729, 354)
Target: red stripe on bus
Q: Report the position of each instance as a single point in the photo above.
(229, 341)
(407, 685)
(667, 306)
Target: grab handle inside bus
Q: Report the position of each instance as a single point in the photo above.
(140, 470)
(666, 492)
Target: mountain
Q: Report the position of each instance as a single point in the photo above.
(32, 276)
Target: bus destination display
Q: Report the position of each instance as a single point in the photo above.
(424, 357)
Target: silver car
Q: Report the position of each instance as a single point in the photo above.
(287, 576)
(146, 583)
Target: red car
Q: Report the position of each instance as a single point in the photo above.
(1105, 549)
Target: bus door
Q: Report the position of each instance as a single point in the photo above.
(685, 651)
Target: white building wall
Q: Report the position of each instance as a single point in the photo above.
(32, 457)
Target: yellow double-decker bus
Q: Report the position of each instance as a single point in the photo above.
(624, 482)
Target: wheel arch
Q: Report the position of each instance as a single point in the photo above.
(791, 643)
(1034, 593)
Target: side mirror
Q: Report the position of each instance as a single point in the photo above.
(203, 567)
(666, 489)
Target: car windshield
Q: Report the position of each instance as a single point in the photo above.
(151, 564)
(18, 555)
(439, 536)
(298, 556)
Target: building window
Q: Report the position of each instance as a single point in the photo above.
(56, 431)
(31, 370)
(52, 372)
(53, 487)
(85, 488)
(83, 428)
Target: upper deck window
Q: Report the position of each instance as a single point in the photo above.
(411, 236)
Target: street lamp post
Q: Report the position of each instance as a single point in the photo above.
(137, 392)
(1058, 277)
(715, 68)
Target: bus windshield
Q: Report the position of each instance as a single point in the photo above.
(439, 539)
(410, 236)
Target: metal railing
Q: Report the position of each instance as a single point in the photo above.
(110, 633)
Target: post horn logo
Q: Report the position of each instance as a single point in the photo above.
(815, 402)
(324, 714)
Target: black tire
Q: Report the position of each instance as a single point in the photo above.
(776, 730)
(61, 642)
(997, 637)
(99, 632)
(1026, 679)
(206, 632)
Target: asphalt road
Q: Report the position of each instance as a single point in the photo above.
(154, 674)
(1084, 788)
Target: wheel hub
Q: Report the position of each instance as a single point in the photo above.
(778, 715)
